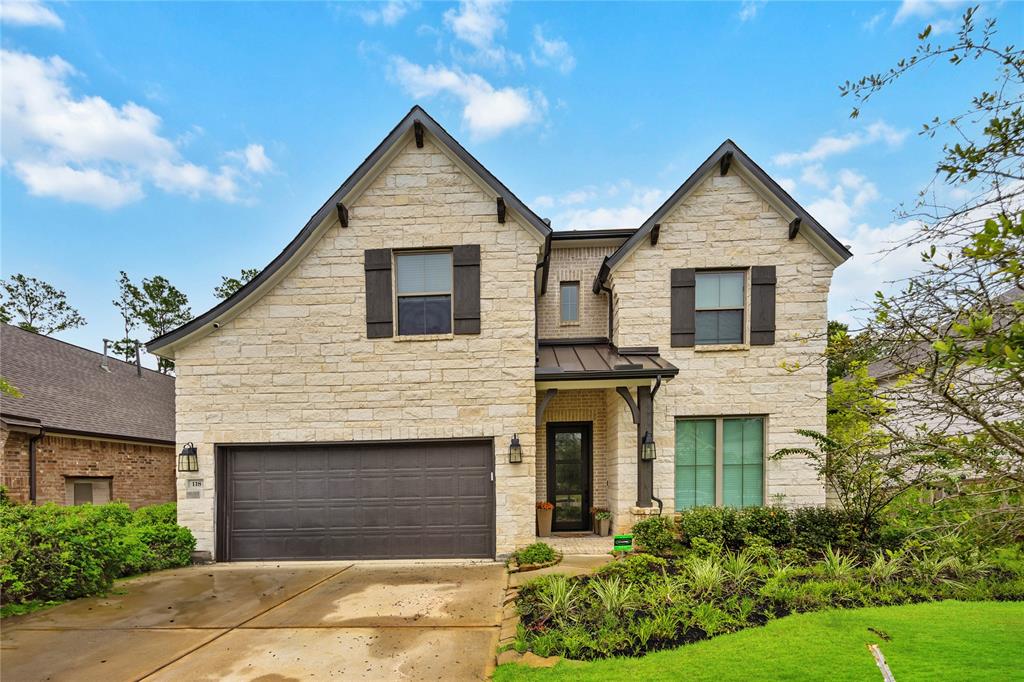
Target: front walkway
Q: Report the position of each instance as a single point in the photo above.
(274, 621)
(579, 543)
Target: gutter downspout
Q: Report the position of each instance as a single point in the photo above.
(32, 465)
(544, 263)
(599, 286)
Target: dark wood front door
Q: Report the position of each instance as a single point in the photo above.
(570, 458)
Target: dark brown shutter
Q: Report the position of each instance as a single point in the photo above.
(379, 318)
(466, 294)
(684, 287)
(762, 305)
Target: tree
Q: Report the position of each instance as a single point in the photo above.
(41, 307)
(954, 335)
(157, 305)
(128, 304)
(845, 351)
(229, 285)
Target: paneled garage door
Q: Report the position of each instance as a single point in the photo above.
(406, 500)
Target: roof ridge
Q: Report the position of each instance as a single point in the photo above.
(82, 348)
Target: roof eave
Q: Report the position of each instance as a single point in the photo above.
(326, 214)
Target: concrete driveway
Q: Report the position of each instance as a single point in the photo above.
(284, 621)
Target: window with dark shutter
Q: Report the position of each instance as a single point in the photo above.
(719, 308)
(379, 319)
(762, 305)
(466, 262)
(423, 283)
(683, 320)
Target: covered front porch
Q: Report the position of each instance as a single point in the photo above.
(595, 406)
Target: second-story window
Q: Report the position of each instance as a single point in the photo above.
(424, 292)
(569, 298)
(719, 314)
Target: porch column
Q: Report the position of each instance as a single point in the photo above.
(644, 470)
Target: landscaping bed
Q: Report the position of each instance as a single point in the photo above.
(50, 553)
(718, 577)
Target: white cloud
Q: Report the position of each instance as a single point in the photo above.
(551, 52)
(88, 186)
(254, 157)
(815, 175)
(844, 202)
(487, 111)
(831, 145)
(481, 24)
(872, 23)
(544, 201)
(29, 13)
(84, 149)
(788, 184)
(750, 8)
(637, 204)
(388, 13)
(922, 8)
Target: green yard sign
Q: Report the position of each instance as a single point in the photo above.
(622, 543)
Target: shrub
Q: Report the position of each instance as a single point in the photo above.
(52, 553)
(817, 527)
(656, 534)
(636, 568)
(717, 525)
(774, 524)
(537, 553)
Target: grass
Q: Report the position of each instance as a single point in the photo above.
(935, 641)
(8, 610)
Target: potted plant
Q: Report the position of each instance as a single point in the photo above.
(544, 513)
(603, 517)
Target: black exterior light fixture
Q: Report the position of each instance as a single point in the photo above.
(648, 451)
(515, 450)
(188, 459)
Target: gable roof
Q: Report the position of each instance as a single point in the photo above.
(65, 388)
(711, 164)
(305, 236)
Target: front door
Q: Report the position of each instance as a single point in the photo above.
(569, 467)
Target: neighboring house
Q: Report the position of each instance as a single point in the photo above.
(360, 398)
(86, 428)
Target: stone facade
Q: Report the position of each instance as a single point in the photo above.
(141, 474)
(574, 264)
(725, 223)
(297, 366)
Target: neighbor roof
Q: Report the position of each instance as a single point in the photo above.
(400, 131)
(65, 389)
(730, 150)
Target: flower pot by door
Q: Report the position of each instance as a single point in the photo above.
(604, 527)
(544, 522)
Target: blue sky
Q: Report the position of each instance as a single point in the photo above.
(191, 140)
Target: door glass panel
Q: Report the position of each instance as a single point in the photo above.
(570, 478)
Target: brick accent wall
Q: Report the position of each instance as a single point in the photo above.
(574, 264)
(724, 222)
(142, 474)
(296, 366)
(577, 406)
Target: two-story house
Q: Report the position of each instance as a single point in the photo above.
(427, 360)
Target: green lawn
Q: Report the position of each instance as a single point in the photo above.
(937, 641)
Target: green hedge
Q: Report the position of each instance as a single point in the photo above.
(51, 553)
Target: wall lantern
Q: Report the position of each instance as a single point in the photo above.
(515, 450)
(188, 460)
(648, 451)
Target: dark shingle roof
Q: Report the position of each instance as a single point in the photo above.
(66, 389)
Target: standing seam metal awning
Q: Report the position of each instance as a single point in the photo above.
(574, 359)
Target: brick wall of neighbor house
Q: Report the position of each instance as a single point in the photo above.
(296, 366)
(725, 222)
(574, 264)
(577, 406)
(14, 464)
(142, 474)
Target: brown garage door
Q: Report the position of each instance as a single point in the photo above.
(381, 501)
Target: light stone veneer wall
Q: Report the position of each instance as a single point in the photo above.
(577, 406)
(574, 264)
(724, 223)
(296, 366)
